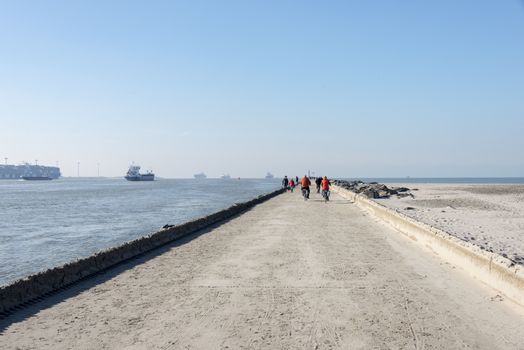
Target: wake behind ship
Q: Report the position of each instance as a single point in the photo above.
(133, 174)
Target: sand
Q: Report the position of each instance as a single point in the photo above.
(489, 216)
(288, 274)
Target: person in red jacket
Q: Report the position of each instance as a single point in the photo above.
(325, 188)
(291, 185)
(304, 184)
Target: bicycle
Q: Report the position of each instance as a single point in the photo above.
(325, 195)
(305, 193)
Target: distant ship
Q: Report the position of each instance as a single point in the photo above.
(200, 176)
(133, 174)
(225, 176)
(29, 172)
(269, 175)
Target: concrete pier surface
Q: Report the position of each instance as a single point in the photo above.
(287, 274)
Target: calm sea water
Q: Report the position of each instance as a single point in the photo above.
(445, 180)
(48, 223)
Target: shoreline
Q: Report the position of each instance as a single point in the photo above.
(513, 180)
(48, 224)
(490, 216)
(498, 272)
(25, 290)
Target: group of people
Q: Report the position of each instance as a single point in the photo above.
(305, 182)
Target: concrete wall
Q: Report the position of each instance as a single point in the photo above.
(41, 284)
(494, 270)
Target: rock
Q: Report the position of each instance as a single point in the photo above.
(373, 189)
(383, 194)
(402, 189)
(370, 193)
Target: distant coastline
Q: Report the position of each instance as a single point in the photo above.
(441, 180)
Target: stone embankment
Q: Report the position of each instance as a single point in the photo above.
(25, 290)
(373, 189)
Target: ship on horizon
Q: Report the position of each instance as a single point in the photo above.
(269, 175)
(225, 176)
(200, 176)
(133, 174)
(27, 171)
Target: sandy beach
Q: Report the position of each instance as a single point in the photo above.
(489, 216)
(288, 274)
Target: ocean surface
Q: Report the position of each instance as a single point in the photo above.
(44, 224)
(444, 180)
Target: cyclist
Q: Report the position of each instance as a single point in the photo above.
(318, 181)
(325, 188)
(291, 185)
(304, 184)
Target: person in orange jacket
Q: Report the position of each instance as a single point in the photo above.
(325, 184)
(304, 184)
(325, 188)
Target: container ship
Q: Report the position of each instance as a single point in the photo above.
(29, 172)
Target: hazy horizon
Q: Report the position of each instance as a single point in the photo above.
(344, 89)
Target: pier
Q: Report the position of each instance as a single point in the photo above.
(287, 274)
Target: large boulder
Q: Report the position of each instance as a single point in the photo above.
(373, 189)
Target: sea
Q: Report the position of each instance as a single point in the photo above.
(44, 224)
(443, 180)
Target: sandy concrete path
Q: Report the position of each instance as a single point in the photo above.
(288, 274)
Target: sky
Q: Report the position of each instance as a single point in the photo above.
(342, 88)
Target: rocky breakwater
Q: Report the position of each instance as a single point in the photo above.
(374, 189)
(33, 288)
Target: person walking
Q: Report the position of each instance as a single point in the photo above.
(318, 181)
(304, 184)
(285, 182)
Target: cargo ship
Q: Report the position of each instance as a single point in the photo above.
(200, 176)
(133, 174)
(29, 172)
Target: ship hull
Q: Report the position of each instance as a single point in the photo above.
(36, 178)
(145, 177)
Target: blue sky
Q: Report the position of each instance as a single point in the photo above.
(344, 88)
